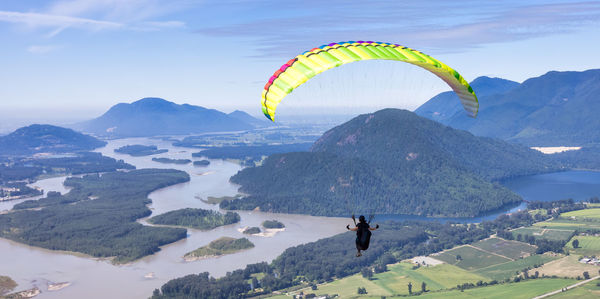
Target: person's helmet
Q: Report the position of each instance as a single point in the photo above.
(361, 218)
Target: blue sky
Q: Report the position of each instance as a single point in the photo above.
(81, 57)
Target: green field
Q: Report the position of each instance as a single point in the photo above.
(568, 224)
(472, 258)
(587, 291)
(395, 281)
(507, 270)
(524, 289)
(593, 214)
(588, 245)
(510, 249)
(545, 233)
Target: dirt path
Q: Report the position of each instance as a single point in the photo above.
(568, 288)
(477, 248)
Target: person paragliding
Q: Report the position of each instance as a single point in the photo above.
(363, 233)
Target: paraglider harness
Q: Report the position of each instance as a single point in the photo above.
(363, 234)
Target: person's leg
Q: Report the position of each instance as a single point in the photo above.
(358, 250)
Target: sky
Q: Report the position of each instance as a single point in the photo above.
(75, 59)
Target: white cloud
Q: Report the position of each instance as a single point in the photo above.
(38, 49)
(48, 20)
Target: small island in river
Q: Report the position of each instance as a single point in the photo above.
(172, 161)
(196, 218)
(272, 224)
(138, 150)
(6, 285)
(201, 163)
(218, 247)
(251, 230)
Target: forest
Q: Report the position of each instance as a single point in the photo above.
(97, 217)
(196, 218)
(334, 257)
(432, 170)
(138, 150)
(172, 161)
(80, 163)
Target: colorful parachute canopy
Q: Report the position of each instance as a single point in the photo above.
(305, 66)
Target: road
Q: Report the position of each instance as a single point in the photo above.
(568, 288)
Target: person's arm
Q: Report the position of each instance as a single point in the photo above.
(374, 228)
(352, 229)
(354, 219)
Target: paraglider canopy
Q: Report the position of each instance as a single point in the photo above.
(311, 63)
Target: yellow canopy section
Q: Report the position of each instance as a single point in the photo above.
(313, 62)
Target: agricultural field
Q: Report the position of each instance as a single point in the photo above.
(545, 233)
(588, 245)
(508, 270)
(568, 266)
(568, 224)
(395, 281)
(591, 214)
(589, 290)
(510, 249)
(524, 289)
(471, 258)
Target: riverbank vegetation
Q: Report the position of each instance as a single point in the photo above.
(138, 150)
(201, 163)
(272, 224)
(6, 285)
(218, 247)
(30, 169)
(196, 218)
(172, 161)
(97, 217)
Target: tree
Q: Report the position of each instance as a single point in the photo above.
(586, 275)
(458, 257)
(575, 243)
(366, 273)
(362, 291)
(410, 287)
(424, 287)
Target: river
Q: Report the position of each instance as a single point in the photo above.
(93, 278)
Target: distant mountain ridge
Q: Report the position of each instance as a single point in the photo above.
(46, 139)
(390, 162)
(156, 116)
(557, 108)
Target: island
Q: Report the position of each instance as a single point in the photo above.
(201, 163)
(97, 217)
(217, 200)
(138, 150)
(251, 230)
(172, 161)
(196, 218)
(272, 224)
(218, 247)
(17, 191)
(6, 285)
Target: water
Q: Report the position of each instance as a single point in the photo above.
(93, 278)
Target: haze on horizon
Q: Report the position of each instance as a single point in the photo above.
(66, 61)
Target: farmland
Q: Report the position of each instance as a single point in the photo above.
(587, 291)
(568, 266)
(509, 269)
(544, 233)
(510, 249)
(592, 214)
(588, 245)
(471, 258)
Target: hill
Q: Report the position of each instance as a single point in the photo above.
(155, 116)
(247, 118)
(446, 105)
(391, 161)
(46, 139)
(558, 108)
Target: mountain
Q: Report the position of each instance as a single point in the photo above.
(557, 108)
(247, 118)
(389, 162)
(445, 105)
(155, 116)
(46, 139)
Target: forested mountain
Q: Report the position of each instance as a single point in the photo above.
(46, 139)
(558, 108)
(391, 162)
(445, 105)
(155, 116)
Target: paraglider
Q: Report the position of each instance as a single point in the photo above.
(363, 233)
(311, 63)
